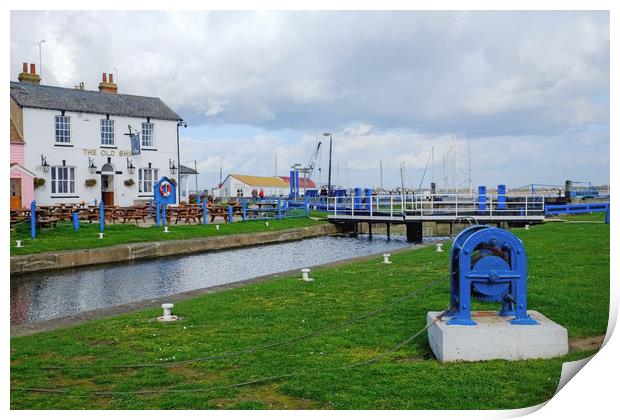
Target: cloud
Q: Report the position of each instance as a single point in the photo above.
(389, 83)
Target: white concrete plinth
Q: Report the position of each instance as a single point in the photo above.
(496, 338)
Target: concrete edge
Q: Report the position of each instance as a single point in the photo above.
(22, 264)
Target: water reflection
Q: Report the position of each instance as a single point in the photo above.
(42, 296)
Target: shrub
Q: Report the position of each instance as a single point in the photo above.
(39, 182)
(129, 182)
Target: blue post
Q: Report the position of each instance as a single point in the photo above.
(607, 214)
(163, 215)
(279, 210)
(358, 198)
(151, 208)
(482, 198)
(230, 214)
(76, 220)
(204, 212)
(501, 197)
(307, 205)
(157, 214)
(101, 217)
(33, 219)
(244, 210)
(368, 194)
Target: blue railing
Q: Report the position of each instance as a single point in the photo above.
(576, 208)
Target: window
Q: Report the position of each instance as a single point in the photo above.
(146, 178)
(63, 180)
(107, 132)
(148, 135)
(63, 129)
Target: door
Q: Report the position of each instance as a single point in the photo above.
(107, 190)
(16, 193)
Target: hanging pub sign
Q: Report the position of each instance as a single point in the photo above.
(134, 137)
(135, 144)
(164, 191)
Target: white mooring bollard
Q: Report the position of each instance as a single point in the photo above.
(166, 229)
(18, 243)
(527, 227)
(167, 307)
(386, 259)
(304, 274)
(439, 248)
(100, 235)
(266, 223)
(217, 227)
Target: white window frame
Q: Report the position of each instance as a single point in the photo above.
(63, 180)
(62, 129)
(107, 132)
(146, 178)
(147, 136)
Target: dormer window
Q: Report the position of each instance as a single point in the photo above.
(63, 128)
(107, 132)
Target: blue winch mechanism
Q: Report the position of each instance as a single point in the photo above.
(490, 264)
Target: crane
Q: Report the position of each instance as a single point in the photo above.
(308, 170)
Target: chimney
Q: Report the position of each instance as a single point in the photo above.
(107, 84)
(29, 77)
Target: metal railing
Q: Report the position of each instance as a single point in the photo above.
(425, 205)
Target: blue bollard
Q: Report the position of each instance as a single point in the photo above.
(230, 214)
(101, 217)
(33, 219)
(607, 214)
(482, 199)
(204, 212)
(76, 220)
(244, 210)
(279, 210)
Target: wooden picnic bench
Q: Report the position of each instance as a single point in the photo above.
(218, 211)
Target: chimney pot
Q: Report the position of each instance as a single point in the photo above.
(33, 69)
(25, 68)
(110, 78)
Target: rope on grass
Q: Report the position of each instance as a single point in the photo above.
(235, 385)
(267, 346)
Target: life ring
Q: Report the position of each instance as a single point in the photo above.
(165, 189)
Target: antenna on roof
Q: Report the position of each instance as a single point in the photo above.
(40, 60)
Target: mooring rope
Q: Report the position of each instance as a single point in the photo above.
(261, 347)
(238, 384)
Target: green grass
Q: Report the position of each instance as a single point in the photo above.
(63, 237)
(597, 217)
(568, 282)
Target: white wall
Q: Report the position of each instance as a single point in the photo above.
(231, 185)
(39, 135)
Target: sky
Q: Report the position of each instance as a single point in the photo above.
(523, 96)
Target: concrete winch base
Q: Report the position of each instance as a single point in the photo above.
(494, 337)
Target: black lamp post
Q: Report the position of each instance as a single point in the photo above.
(329, 169)
(172, 166)
(179, 124)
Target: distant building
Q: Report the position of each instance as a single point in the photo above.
(74, 140)
(236, 185)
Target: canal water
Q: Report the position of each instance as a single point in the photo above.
(43, 296)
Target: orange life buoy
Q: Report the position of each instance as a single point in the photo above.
(165, 189)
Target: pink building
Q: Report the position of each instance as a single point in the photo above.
(22, 180)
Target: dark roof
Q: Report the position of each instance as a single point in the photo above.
(76, 100)
(186, 170)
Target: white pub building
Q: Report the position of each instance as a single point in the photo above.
(75, 141)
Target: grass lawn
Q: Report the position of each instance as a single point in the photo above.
(63, 237)
(568, 282)
(586, 217)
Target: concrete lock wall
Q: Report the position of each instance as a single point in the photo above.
(130, 252)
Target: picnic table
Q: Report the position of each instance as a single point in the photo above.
(187, 213)
(218, 211)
